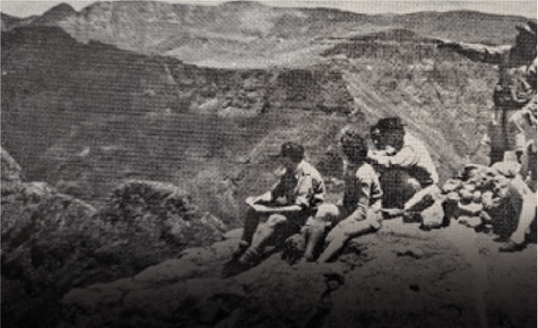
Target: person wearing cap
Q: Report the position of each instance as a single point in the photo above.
(516, 88)
(408, 175)
(358, 213)
(287, 205)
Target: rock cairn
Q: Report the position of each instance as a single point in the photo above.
(471, 198)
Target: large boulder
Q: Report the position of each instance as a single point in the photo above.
(399, 277)
(52, 242)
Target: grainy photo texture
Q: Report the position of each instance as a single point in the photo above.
(305, 164)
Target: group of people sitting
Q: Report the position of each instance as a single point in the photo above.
(396, 178)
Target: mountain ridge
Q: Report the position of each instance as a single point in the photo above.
(232, 31)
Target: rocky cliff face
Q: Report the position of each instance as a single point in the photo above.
(168, 258)
(83, 136)
(53, 242)
(127, 143)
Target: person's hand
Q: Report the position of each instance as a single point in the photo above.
(389, 150)
(372, 156)
(251, 200)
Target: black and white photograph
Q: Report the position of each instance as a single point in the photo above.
(268, 164)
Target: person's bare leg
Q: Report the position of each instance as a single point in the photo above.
(324, 215)
(263, 233)
(252, 219)
(316, 231)
(341, 234)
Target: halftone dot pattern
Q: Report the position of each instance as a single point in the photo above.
(133, 131)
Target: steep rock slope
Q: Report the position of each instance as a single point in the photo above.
(444, 99)
(88, 117)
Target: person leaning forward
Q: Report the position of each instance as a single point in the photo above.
(288, 205)
(515, 89)
(408, 175)
(359, 212)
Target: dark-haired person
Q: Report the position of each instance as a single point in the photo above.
(407, 173)
(287, 206)
(359, 212)
(516, 88)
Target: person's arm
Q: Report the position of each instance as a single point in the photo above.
(362, 184)
(302, 200)
(404, 158)
(532, 105)
(283, 209)
(522, 126)
(478, 52)
(265, 198)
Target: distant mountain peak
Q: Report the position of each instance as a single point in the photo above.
(242, 4)
(62, 8)
(55, 14)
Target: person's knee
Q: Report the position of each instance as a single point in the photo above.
(275, 219)
(412, 184)
(326, 213)
(352, 228)
(394, 181)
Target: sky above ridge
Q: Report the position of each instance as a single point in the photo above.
(506, 7)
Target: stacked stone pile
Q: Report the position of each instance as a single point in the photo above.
(471, 199)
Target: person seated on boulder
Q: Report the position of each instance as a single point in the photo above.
(407, 174)
(359, 212)
(288, 205)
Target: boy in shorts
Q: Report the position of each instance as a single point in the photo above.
(359, 212)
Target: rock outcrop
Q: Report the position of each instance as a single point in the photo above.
(53, 242)
(399, 277)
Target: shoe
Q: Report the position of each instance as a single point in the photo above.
(249, 257)
(511, 247)
(411, 217)
(243, 246)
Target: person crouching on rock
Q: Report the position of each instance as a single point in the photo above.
(521, 201)
(525, 200)
(407, 174)
(517, 241)
(359, 212)
(288, 205)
